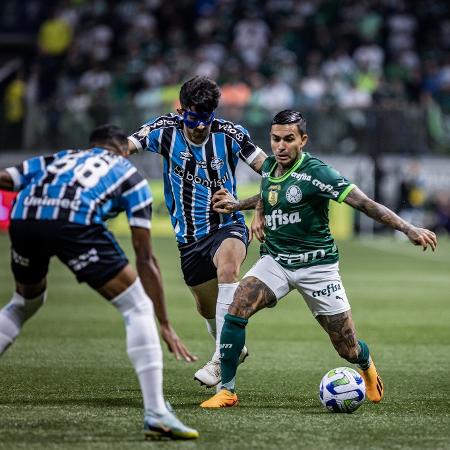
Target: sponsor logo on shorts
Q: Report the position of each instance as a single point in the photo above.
(19, 259)
(326, 292)
(301, 258)
(293, 194)
(278, 218)
(196, 179)
(236, 233)
(226, 345)
(84, 260)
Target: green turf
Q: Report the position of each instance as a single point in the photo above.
(67, 383)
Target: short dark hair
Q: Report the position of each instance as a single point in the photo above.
(200, 92)
(288, 116)
(108, 134)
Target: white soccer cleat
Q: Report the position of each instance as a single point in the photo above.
(209, 374)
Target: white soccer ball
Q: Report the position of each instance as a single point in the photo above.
(342, 390)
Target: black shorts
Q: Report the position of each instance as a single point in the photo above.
(197, 258)
(89, 251)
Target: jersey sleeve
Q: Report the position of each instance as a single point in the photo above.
(246, 148)
(137, 203)
(146, 139)
(151, 135)
(329, 183)
(23, 173)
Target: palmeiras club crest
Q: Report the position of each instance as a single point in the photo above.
(273, 194)
(293, 194)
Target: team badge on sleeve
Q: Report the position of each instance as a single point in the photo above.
(273, 194)
(293, 194)
(143, 132)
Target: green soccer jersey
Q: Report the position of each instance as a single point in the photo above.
(296, 211)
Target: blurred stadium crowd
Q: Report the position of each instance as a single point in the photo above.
(359, 69)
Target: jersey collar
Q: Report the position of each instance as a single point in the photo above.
(288, 173)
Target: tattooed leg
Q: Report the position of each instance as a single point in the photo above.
(251, 296)
(341, 329)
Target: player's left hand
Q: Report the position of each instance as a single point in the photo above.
(422, 237)
(175, 344)
(223, 202)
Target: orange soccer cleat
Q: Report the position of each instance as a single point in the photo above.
(223, 399)
(374, 384)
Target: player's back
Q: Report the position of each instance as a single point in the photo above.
(78, 186)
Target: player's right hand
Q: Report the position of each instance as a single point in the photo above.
(257, 227)
(422, 237)
(223, 202)
(175, 344)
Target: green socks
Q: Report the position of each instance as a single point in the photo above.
(232, 340)
(363, 360)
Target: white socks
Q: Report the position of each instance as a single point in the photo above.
(15, 314)
(143, 346)
(224, 300)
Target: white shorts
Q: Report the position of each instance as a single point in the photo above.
(320, 286)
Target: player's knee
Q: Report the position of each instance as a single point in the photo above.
(20, 309)
(145, 357)
(228, 273)
(205, 311)
(133, 300)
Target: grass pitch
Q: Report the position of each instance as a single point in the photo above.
(67, 383)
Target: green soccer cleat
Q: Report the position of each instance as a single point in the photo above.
(166, 426)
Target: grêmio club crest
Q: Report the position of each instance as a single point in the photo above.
(273, 194)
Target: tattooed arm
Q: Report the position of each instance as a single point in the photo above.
(258, 223)
(418, 236)
(257, 163)
(251, 296)
(224, 203)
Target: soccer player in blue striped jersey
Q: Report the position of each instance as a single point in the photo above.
(200, 153)
(60, 210)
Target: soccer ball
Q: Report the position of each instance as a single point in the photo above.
(342, 390)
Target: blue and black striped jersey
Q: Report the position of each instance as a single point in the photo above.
(80, 186)
(192, 172)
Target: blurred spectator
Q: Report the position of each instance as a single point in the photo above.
(412, 196)
(319, 54)
(14, 111)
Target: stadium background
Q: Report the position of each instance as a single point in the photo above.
(373, 80)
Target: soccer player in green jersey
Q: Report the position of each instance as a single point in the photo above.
(298, 252)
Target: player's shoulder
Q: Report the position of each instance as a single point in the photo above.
(235, 131)
(169, 120)
(267, 165)
(118, 164)
(311, 162)
(67, 152)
